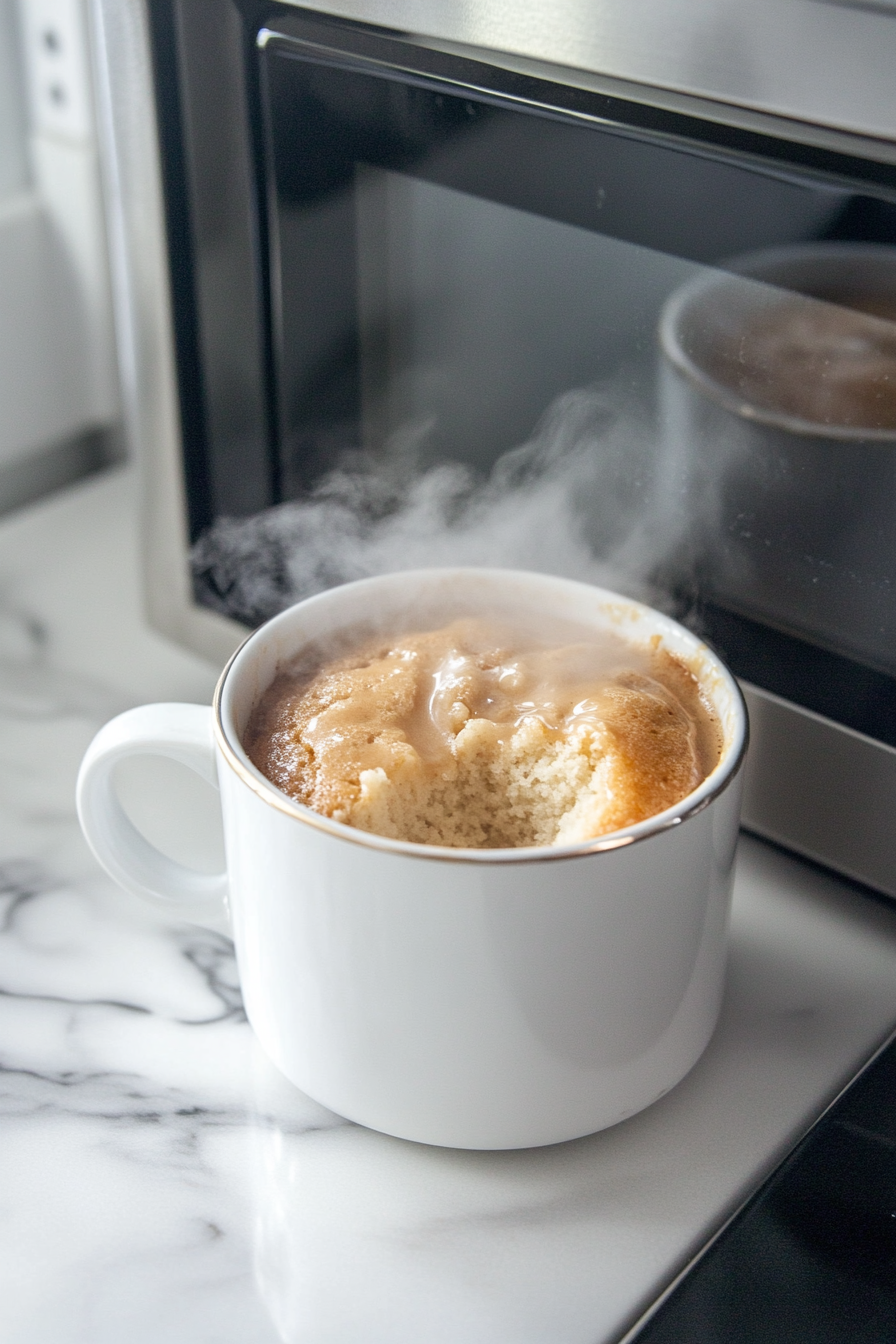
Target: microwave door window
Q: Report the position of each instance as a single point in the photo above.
(476, 317)
(504, 337)
(495, 373)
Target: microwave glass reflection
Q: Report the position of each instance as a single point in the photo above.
(504, 337)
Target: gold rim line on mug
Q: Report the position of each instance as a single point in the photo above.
(269, 793)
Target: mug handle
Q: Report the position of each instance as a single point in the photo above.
(182, 733)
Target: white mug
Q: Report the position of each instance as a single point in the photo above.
(473, 998)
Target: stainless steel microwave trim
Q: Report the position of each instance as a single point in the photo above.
(761, 122)
(683, 104)
(823, 63)
(143, 320)
(821, 789)
(791, 747)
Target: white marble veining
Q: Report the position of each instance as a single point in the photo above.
(160, 1183)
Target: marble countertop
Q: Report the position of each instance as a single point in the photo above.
(159, 1182)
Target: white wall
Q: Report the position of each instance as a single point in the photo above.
(13, 156)
(58, 392)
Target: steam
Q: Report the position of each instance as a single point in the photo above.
(574, 501)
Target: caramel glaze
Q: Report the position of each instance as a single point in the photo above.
(400, 705)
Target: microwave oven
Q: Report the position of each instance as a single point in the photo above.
(608, 295)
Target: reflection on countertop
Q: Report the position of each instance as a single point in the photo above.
(162, 1183)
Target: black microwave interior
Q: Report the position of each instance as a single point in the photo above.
(432, 311)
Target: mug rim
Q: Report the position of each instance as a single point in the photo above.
(709, 789)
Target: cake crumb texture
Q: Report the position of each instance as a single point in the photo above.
(473, 736)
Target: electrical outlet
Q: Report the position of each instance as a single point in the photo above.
(58, 70)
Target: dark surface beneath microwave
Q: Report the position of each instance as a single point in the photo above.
(396, 272)
(812, 1258)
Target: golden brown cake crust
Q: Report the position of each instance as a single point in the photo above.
(482, 735)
